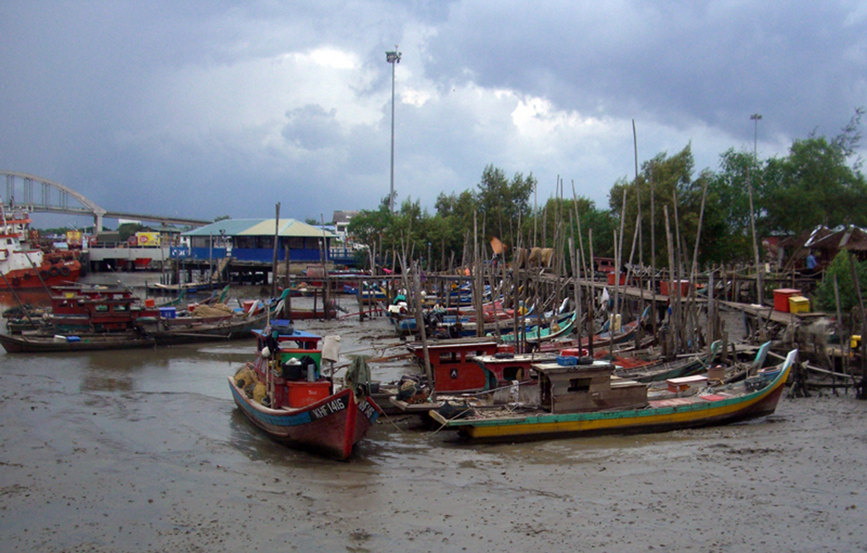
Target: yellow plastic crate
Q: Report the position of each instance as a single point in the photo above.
(799, 304)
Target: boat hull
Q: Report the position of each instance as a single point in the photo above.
(46, 275)
(187, 331)
(661, 416)
(331, 426)
(150, 337)
(85, 342)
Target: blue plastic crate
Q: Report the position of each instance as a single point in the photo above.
(168, 313)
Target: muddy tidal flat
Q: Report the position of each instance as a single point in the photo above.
(145, 451)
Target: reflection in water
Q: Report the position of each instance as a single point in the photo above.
(248, 439)
(36, 297)
(105, 383)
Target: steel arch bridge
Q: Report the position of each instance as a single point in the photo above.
(42, 195)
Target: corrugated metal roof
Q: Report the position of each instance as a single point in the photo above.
(288, 227)
(260, 227)
(231, 227)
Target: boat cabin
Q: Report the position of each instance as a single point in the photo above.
(582, 388)
(294, 364)
(100, 309)
(508, 367)
(452, 365)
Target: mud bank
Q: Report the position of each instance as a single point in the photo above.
(145, 451)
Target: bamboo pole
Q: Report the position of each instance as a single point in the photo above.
(517, 291)
(287, 304)
(276, 242)
(693, 284)
(578, 267)
(848, 347)
(680, 325)
(477, 282)
(419, 321)
(638, 196)
(759, 283)
(591, 301)
(652, 251)
(618, 260)
(861, 385)
(674, 304)
(638, 331)
(39, 276)
(711, 313)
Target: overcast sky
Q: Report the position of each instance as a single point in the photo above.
(212, 108)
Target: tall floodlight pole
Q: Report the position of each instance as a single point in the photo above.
(755, 117)
(393, 58)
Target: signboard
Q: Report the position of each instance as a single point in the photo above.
(179, 252)
(147, 239)
(73, 238)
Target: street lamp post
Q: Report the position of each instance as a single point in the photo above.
(393, 58)
(756, 117)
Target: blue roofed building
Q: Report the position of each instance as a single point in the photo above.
(252, 240)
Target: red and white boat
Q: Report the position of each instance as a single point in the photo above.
(23, 264)
(283, 393)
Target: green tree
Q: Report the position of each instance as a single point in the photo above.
(594, 222)
(668, 178)
(818, 183)
(727, 213)
(841, 269)
(371, 228)
(129, 229)
(502, 203)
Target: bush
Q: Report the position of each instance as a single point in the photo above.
(839, 267)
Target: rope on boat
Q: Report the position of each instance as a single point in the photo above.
(460, 414)
(391, 420)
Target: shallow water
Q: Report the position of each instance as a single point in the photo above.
(145, 451)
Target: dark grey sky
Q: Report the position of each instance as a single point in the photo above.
(214, 108)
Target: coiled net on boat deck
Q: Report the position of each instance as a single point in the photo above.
(358, 375)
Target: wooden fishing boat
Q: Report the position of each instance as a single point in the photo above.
(563, 325)
(578, 400)
(371, 294)
(146, 334)
(192, 330)
(42, 343)
(294, 312)
(658, 370)
(504, 368)
(455, 370)
(452, 366)
(607, 337)
(86, 318)
(283, 393)
(188, 287)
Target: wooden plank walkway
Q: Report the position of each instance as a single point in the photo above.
(766, 312)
